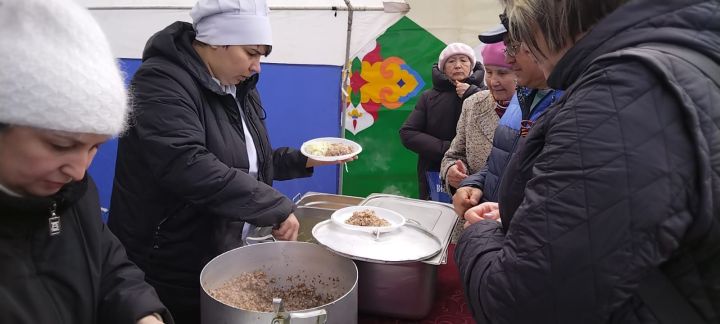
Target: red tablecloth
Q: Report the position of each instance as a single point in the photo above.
(449, 307)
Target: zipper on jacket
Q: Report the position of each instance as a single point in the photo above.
(54, 305)
(158, 227)
(156, 236)
(507, 161)
(54, 225)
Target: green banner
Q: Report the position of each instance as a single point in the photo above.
(386, 81)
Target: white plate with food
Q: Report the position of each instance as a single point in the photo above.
(330, 149)
(369, 219)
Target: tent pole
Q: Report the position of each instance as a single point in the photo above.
(344, 95)
(284, 8)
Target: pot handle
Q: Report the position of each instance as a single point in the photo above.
(261, 239)
(414, 222)
(320, 315)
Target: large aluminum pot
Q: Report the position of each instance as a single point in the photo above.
(401, 290)
(281, 260)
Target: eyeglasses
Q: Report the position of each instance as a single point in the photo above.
(511, 50)
(505, 21)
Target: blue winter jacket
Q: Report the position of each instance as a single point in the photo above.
(504, 144)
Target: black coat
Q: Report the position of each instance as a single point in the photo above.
(80, 276)
(620, 178)
(181, 192)
(431, 126)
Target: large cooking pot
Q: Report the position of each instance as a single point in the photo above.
(401, 290)
(282, 260)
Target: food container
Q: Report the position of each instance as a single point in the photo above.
(315, 207)
(436, 217)
(401, 290)
(283, 260)
(328, 201)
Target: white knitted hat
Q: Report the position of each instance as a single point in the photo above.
(57, 71)
(232, 22)
(454, 49)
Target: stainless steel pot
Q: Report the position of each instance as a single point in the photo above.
(401, 290)
(282, 260)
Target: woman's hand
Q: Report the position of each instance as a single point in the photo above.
(460, 88)
(313, 163)
(486, 210)
(465, 198)
(456, 174)
(288, 230)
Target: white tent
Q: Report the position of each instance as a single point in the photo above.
(304, 31)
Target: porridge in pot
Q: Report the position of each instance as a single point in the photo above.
(255, 291)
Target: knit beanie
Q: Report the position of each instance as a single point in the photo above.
(232, 22)
(58, 72)
(494, 54)
(454, 49)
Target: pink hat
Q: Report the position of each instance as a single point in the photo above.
(494, 54)
(455, 49)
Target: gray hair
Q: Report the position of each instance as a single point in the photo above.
(559, 21)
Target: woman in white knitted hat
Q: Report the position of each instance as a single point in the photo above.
(61, 96)
(430, 127)
(197, 163)
(480, 115)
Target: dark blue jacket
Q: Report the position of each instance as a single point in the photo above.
(505, 142)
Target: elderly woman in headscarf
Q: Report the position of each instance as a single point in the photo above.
(431, 126)
(481, 112)
(611, 208)
(61, 96)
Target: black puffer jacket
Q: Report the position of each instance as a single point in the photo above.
(431, 126)
(81, 275)
(182, 192)
(620, 178)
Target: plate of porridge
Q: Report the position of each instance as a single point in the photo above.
(369, 219)
(330, 149)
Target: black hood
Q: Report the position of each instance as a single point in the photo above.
(644, 21)
(174, 43)
(442, 83)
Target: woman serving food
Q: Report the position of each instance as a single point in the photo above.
(197, 164)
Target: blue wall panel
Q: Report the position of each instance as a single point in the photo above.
(302, 102)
